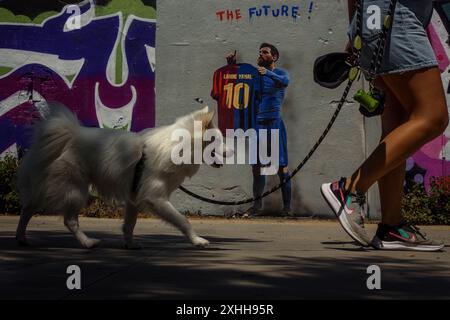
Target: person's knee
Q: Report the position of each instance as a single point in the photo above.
(432, 124)
(438, 125)
(440, 118)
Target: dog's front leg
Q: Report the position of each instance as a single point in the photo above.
(71, 222)
(129, 222)
(25, 217)
(166, 211)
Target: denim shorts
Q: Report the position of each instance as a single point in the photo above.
(407, 47)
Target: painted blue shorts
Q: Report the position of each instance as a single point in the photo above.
(408, 47)
(275, 124)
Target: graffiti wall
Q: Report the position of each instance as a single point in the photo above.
(96, 57)
(433, 159)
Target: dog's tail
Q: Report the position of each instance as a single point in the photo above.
(51, 137)
(53, 134)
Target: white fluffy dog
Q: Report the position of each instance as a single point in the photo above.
(132, 168)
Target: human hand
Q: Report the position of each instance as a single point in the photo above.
(262, 71)
(231, 58)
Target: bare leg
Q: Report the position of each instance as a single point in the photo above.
(130, 218)
(166, 211)
(422, 95)
(25, 217)
(391, 193)
(71, 222)
(391, 184)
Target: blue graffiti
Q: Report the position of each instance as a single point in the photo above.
(267, 10)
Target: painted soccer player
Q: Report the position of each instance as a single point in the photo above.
(268, 116)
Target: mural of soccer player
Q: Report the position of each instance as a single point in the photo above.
(268, 116)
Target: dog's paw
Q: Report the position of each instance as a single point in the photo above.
(200, 242)
(133, 246)
(91, 243)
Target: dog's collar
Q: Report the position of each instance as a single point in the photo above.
(138, 169)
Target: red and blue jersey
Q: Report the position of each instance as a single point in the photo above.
(237, 88)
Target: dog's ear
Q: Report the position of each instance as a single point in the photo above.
(205, 116)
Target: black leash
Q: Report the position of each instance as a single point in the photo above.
(376, 62)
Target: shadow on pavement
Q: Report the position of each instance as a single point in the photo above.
(170, 268)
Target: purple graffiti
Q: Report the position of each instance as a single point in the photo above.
(88, 51)
(428, 160)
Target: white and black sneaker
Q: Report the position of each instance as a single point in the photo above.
(349, 208)
(404, 237)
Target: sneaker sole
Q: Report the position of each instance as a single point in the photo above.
(337, 208)
(404, 246)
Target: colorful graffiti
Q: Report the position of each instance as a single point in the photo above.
(429, 162)
(432, 160)
(103, 69)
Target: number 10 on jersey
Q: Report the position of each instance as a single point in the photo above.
(234, 97)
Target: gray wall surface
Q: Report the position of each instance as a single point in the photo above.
(192, 43)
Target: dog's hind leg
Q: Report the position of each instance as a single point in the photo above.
(129, 222)
(25, 216)
(71, 222)
(70, 195)
(166, 211)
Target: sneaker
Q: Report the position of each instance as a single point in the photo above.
(404, 237)
(349, 208)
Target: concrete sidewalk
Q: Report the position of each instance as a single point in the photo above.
(247, 259)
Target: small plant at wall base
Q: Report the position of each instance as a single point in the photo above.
(9, 199)
(433, 207)
(419, 206)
